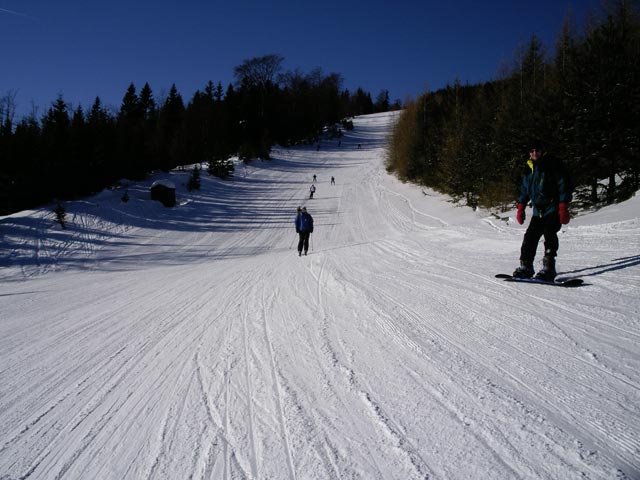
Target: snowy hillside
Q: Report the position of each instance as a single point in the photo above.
(152, 343)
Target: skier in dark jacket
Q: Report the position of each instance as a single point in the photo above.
(304, 228)
(546, 185)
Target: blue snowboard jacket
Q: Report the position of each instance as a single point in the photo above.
(545, 185)
(304, 222)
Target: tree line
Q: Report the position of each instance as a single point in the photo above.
(583, 102)
(75, 152)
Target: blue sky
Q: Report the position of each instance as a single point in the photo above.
(83, 49)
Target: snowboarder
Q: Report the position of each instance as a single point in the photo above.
(312, 190)
(304, 229)
(546, 185)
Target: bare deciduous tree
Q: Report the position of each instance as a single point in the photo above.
(8, 107)
(258, 71)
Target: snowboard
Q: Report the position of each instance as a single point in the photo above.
(570, 282)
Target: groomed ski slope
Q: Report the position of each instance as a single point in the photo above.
(193, 342)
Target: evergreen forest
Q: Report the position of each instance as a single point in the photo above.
(582, 101)
(73, 152)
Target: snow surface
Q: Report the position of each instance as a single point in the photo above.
(193, 342)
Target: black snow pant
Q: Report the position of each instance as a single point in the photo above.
(303, 243)
(548, 226)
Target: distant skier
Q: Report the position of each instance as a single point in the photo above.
(304, 229)
(314, 178)
(333, 181)
(312, 190)
(546, 185)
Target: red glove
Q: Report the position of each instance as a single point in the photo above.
(520, 216)
(563, 213)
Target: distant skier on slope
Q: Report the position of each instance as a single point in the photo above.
(304, 228)
(312, 190)
(546, 185)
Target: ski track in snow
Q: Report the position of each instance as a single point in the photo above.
(193, 342)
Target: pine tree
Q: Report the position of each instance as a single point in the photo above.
(605, 80)
(169, 141)
(149, 112)
(55, 149)
(146, 103)
(101, 137)
(60, 215)
(221, 168)
(194, 180)
(361, 103)
(130, 136)
(78, 168)
(382, 101)
(131, 108)
(218, 94)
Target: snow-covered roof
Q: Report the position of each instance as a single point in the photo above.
(163, 183)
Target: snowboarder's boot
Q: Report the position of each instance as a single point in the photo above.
(525, 270)
(548, 272)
